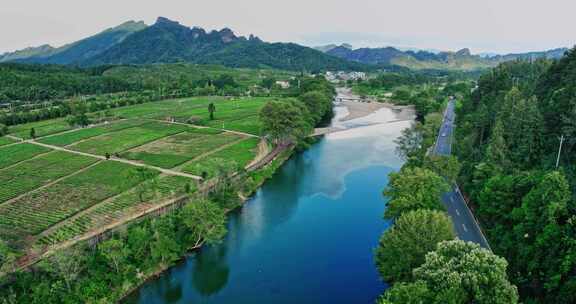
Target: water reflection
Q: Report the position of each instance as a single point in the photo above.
(211, 272)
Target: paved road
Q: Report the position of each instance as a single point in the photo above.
(465, 224)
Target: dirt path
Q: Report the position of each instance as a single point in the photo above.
(263, 150)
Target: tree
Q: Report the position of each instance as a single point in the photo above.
(211, 110)
(268, 82)
(409, 144)
(32, 133)
(408, 293)
(446, 166)
(404, 246)
(67, 264)
(115, 251)
(464, 271)
(205, 220)
(284, 122)
(318, 104)
(412, 189)
(497, 150)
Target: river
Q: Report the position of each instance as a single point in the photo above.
(307, 236)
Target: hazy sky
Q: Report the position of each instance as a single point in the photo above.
(481, 25)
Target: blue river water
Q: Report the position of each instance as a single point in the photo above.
(307, 236)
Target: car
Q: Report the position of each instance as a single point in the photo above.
(443, 134)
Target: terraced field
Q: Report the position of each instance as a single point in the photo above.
(114, 209)
(31, 174)
(119, 141)
(37, 211)
(6, 141)
(69, 138)
(48, 196)
(16, 153)
(173, 150)
(237, 155)
(42, 128)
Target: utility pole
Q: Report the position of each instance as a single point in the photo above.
(559, 151)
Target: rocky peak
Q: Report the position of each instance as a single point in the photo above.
(464, 52)
(227, 35)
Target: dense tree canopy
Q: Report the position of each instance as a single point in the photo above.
(403, 247)
(412, 189)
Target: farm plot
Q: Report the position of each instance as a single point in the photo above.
(119, 141)
(237, 155)
(33, 213)
(42, 128)
(6, 141)
(167, 108)
(249, 124)
(33, 173)
(117, 207)
(72, 137)
(16, 153)
(171, 151)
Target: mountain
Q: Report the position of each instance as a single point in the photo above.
(43, 50)
(460, 60)
(328, 47)
(168, 41)
(79, 51)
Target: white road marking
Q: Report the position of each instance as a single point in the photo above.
(457, 212)
(464, 226)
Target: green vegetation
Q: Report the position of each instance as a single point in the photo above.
(31, 214)
(413, 189)
(69, 138)
(33, 173)
(16, 153)
(174, 150)
(122, 140)
(456, 272)
(508, 143)
(6, 141)
(417, 254)
(237, 155)
(105, 273)
(403, 247)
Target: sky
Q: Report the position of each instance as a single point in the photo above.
(495, 26)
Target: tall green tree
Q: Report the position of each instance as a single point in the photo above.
(459, 272)
(412, 189)
(285, 122)
(205, 220)
(404, 246)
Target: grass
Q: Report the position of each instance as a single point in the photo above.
(174, 150)
(42, 128)
(238, 155)
(119, 141)
(16, 153)
(6, 141)
(69, 138)
(31, 174)
(35, 212)
(116, 208)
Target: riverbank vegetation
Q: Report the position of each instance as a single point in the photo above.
(419, 254)
(516, 143)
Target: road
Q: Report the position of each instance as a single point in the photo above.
(465, 224)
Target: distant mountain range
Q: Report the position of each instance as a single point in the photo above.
(168, 41)
(460, 60)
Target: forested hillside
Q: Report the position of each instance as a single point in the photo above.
(508, 140)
